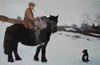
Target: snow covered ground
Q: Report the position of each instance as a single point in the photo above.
(61, 50)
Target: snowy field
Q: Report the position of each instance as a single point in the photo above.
(62, 49)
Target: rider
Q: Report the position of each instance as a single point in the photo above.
(29, 21)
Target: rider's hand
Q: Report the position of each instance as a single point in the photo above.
(36, 19)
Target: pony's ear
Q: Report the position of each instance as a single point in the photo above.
(50, 15)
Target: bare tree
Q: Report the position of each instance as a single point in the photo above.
(85, 21)
(85, 18)
(97, 19)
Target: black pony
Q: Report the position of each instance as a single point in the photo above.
(18, 33)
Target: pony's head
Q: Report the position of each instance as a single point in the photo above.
(53, 20)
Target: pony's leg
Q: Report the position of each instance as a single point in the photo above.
(17, 57)
(43, 59)
(37, 53)
(10, 57)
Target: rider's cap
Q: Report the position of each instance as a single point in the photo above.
(31, 4)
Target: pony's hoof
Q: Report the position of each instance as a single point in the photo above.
(36, 58)
(10, 60)
(44, 60)
(18, 59)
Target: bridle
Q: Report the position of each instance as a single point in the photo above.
(52, 24)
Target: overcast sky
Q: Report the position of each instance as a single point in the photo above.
(68, 10)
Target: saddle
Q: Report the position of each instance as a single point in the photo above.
(41, 23)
